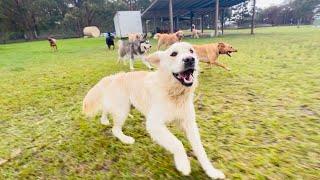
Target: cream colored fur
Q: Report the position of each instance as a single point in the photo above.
(135, 36)
(161, 98)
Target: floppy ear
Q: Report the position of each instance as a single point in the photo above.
(221, 45)
(154, 58)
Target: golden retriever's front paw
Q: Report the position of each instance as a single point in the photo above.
(215, 174)
(182, 164)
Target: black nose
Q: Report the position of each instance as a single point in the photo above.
(189, 61)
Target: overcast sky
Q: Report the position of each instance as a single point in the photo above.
(267, 3)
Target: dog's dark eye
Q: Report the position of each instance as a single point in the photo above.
(191, 51)
(174, 54)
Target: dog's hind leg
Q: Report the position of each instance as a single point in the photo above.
(104, 118)
(118, 120)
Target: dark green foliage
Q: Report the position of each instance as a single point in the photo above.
(32, 19)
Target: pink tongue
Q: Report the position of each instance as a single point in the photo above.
(188, 79)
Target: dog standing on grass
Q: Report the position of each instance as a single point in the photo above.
(195, 32)
(168, 39)
(209, 53)
(110, 41)
(162, 96)
(133, 50)
(53, 43)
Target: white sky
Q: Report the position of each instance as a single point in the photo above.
(268, 3)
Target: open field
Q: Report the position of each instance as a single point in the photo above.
(261, 120)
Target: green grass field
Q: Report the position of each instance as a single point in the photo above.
(261, 120)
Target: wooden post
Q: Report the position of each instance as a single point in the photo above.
(216, 18)
(154, 25)
(171, 16)
(201, 23)
(177, 22)
(147, 29)
(253, 16)
(191, 20)
(222, 20)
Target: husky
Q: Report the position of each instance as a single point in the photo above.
(133, 50)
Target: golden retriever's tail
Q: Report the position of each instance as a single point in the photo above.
(156, 36)
(92, 102)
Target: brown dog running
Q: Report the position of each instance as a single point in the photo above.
(136, 36)
(209, 53)
(168, 39)
(53, 43)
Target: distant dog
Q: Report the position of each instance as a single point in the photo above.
(133, 50)
(195, 32)
(209, 53)
(110, 41)
(163, 97)
(136, 36)
(53, 43)
(168, 39)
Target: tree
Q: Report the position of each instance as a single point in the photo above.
(303, 10)
(241, 13)
(294, 12)
(30, 18)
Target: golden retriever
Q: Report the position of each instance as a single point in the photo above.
(136, 37)
(168, 39)
(209, 53)
(162, 96)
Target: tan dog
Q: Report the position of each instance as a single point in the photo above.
(168, 39)
(53, 43)
(136, 37)
(163, 96)
(195, 32)
(209, 53)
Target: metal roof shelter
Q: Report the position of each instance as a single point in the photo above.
(178, 8)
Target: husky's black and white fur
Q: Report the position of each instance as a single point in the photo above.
(133, 50)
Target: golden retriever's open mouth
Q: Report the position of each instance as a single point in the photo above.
(185, 77)
(230, 52)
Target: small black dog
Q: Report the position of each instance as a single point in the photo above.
(110, 40)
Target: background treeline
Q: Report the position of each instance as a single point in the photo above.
(291, 12)
(34, 19)
(294, 12)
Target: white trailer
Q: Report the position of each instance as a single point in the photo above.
(127, 22)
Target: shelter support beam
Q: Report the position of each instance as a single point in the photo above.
(253, 16)
(191, 20)
(154, 25)
(201, 19)
(222, 21)
(171, 16)
(216, 18)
